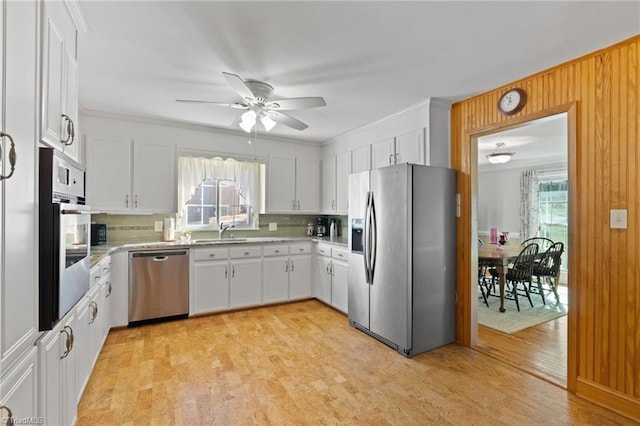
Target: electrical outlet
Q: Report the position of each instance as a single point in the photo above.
(157, 226)
(273, 226)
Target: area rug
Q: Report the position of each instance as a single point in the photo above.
(511, 320)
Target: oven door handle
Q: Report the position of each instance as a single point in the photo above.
(75, 212)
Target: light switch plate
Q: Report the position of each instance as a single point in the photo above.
(273, 226)
(618, 219)
(157, 226)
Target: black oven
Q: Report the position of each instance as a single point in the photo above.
(64, 249)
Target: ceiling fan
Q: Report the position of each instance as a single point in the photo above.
(256, 99)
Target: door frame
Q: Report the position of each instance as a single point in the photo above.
(470, 138)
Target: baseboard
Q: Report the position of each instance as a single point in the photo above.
(609, 398)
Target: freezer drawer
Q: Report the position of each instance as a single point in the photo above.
(158, 284)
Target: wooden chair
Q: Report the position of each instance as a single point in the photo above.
(542, 242)
(518, 277)
(547, 270)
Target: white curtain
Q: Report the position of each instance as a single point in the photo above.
(529, 204)
(192, 171)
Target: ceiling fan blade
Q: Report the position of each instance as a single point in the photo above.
(236, 105)
(237, 84)
(297, 103)
(287, 120)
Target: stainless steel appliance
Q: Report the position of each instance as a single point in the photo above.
(402, 256)
(158, 285)
(98, 234)
(64, 248)
(322, 227)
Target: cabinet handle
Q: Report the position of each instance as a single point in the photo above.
(328, 270)
(126, 200)
(298, 205)
(9, 420)
(233, 271)
(135, 202)
(68, 342)
(390, 159)
(71, 130)
(105, 269)
(110, 288)
(96, 278)
(293, 205)
(94, 312)
(291, 265)
(12, 155)
(397, 157)
(226, 271)
(212, 255)
(286, 266)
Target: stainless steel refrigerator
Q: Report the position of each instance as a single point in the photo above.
(402, 236)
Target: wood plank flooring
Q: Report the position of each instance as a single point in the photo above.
(302, 363)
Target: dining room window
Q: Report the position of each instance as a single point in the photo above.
(554, 211)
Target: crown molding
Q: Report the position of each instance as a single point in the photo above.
(187, 126)
(443, 104)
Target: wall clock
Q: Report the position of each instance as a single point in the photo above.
(512, 101)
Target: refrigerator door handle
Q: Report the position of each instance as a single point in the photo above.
(373, 232)
(367, 239)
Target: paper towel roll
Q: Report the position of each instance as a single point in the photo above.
(169, 229)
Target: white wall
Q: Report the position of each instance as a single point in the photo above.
(193, 138)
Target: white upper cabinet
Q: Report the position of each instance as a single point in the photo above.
(293, 185)
(59, 119)
(130, 176)
(406, 148)
(361, 159)
(18, 197)
(335, 183)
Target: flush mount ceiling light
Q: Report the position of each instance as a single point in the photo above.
(498, 156)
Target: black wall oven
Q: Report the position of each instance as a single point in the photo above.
(64, 249)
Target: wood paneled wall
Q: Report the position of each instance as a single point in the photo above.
(601, 93)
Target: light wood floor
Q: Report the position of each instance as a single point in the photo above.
(302, 363)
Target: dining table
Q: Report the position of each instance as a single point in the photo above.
(499, 256)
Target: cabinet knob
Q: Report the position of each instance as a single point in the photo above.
(212, 255)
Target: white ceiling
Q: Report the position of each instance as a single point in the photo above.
(368, 59)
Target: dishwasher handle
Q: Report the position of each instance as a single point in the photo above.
(160, 258)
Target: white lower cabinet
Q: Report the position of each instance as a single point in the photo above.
(246, 276)
(286, 272)
(57, 363)
(330, 276)
(19, 388)
(300, 271)
(209, 280)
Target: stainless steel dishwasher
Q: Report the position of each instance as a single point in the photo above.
(158, 285)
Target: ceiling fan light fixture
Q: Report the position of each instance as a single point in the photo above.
(498, 156)
(267, 122)
(248, 121)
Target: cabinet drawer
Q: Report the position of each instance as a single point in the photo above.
(339, 253)
(210, 254)
(299, 248)
(323, 249)
(242, 252)
(276, 250)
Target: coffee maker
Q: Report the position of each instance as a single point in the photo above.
(321, 228)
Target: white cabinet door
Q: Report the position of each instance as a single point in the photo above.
(343, 168)
(307, 186)
(50, 348)
(18, 196)
(328, 204)
(68, 372)
(322, 279)
(210, 286)
(19, 387)
(154, 184)
(361, 159)
(72, 146)
(109, 174)
(282, 179)
(339, 285)
(382, 154)
(246, 282)
(410, 148)
(300, 277)
(275, 279)
(82, 344)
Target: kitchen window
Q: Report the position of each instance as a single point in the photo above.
(215, 190)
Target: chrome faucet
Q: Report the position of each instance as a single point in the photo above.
(223, 228)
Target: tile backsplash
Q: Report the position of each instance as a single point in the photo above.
(140, 228)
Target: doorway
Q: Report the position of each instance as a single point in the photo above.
(539, 147)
